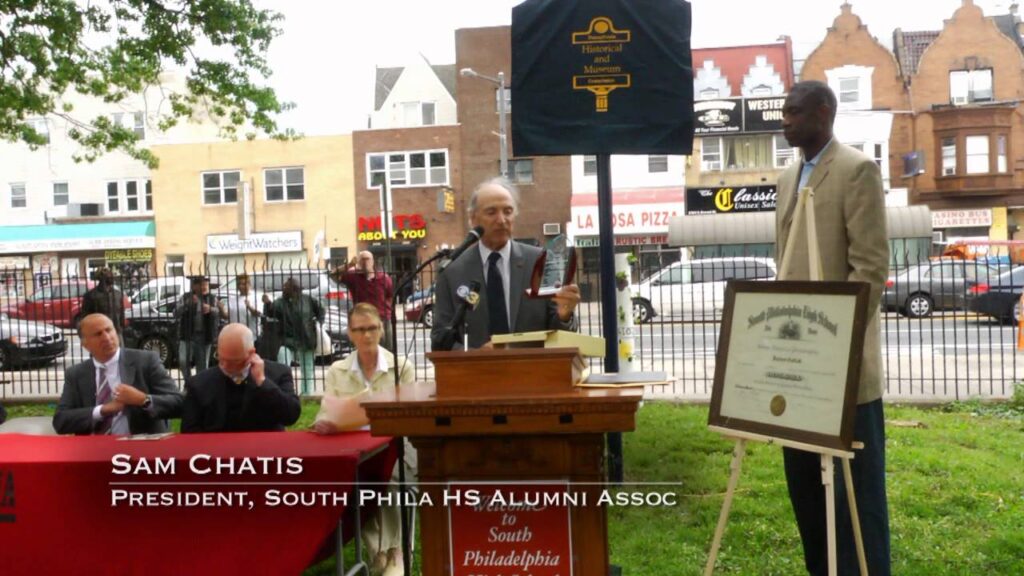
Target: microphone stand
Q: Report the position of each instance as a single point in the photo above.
(402, 487)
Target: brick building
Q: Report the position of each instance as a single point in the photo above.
(954, 98)
(414, 142)
(545, 183)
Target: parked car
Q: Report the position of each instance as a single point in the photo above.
(695, 289)
(57, 304)
(155, 290)
(999, 299)
(24, 343)
(421, 310)
(935, 285)
(316, 283)
(154, 329)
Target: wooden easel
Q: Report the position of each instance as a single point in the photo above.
(805, 210)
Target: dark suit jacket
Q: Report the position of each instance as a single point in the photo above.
(138, 368)
(525, 314)
(271, 406)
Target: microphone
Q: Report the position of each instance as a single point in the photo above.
(472, 238)
(470, 297)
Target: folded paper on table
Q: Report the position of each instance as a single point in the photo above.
(588, 345)
(345, 412)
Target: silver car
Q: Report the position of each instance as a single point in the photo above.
(25, 343)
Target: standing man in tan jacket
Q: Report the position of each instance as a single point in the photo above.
(849, 213)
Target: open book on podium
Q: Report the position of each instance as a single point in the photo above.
(592, 346)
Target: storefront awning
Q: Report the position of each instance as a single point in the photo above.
(759, 227)
(77, 237)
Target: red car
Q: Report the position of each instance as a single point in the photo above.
(57, 304)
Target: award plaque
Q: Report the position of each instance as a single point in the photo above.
(555, 268)
(789, 360)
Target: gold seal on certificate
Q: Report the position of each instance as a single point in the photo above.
(778, 405)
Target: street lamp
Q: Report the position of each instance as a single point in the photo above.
(502, 113)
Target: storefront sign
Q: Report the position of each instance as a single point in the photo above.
(730, 199)
(76, 244)
(962, 218)
(404, 227)
(14, 262)
(130, 255)
(255, 243)
(626, 219)
(511, 529)
(763, 114)
(651, 240)
(718, 116)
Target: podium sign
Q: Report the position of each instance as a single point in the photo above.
(602, 77)
(502, 529)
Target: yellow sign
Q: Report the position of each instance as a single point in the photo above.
(449, 202)
(602, 41)
(128, 255)
(723, 199)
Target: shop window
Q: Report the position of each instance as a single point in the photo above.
(968, 86)
(284, 184)
(976, 148)
(784, 153)
(18, 197)
(221, 187)
(60, 194)
(113, 198)
(520, 170)
(710, 154)
(174, 265)
(949, 156)
(1001, 153)
(748, 152)
(131, 194)
(408, 169)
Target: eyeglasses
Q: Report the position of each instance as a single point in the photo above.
(365, 330)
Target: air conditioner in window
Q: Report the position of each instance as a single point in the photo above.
(959, 100)
(937, 237)
(85, 210)
(552, 228)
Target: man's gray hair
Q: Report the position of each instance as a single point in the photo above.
(496, 181)
(242, 332)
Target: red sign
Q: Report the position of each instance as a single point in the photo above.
(511, 529)
(400, 222)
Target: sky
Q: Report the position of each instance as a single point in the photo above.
(324, 60)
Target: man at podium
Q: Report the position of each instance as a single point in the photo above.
(502, 268)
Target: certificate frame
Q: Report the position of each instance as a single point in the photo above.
(789, 359)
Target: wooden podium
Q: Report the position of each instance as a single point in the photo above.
(508, 415)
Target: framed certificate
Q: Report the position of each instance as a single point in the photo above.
(789, 358)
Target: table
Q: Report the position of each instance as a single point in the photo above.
(58, 512)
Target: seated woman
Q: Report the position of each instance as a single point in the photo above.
(369, 369)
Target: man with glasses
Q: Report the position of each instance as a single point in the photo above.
(243, 393)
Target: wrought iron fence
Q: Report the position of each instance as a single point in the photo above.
(948, 325)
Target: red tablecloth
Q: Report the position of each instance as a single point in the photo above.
(57, 514)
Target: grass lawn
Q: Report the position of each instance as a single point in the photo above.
(956, 494)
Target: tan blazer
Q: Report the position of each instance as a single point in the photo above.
(849, 212)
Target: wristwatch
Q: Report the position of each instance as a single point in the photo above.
(147, 402)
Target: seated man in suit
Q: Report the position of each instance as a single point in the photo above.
(243, 393)
(117, 391)
(504, 266)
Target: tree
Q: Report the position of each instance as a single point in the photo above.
(110, 49)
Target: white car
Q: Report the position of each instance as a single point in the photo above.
(695, 289)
